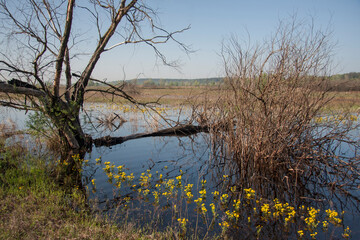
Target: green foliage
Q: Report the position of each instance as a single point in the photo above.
(38, 124)
(34, 206)
(346, 76)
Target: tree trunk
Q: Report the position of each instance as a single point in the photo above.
(65, 118)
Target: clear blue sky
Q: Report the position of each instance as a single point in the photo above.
(213, 21)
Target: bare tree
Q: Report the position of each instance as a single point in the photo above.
(41, 37)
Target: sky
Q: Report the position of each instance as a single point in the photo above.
(214, 21)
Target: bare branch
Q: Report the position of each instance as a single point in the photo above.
(78, 94)
(63, 47)
(8, 88)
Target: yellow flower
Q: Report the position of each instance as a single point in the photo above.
(203, 208)
(265, 208)
(346, 233)
(236, 204)
(325, 224)
(187, 191)
(224, 198)
(212, 205)
(224, 225)
(202, 193)
(313, 235)
(301, 233)
(215, 193)
(311, 221)
(333, 217)
(249, 193)
(182, 222)
(129, 177)
(189, 195)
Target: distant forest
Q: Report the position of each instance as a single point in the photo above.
(339, 82)
(346, 76)
(345, 82)
(150, 82)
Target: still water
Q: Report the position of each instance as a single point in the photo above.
(170, 157)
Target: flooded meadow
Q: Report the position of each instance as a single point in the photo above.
(184, 182)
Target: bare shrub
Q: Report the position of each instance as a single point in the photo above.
(265, 120)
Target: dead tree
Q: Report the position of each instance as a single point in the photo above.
(41, 36)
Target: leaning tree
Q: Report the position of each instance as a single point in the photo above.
(39, 44)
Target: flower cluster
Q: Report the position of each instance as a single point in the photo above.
(311, 220)
(187, 191)
(228, 210)
(332, 216)
(249, 193)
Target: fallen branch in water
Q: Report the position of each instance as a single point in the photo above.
(184, 130)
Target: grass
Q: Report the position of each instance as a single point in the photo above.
(165, 95)
(344, 100)
(34, 206)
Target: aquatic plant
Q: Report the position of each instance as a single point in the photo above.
(225, 214)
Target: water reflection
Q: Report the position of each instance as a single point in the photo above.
(204, 161)
(198, 158)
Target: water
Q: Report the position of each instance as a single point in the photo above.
(168, 156)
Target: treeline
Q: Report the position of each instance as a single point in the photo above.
(346, 76)
(345, 82)
(339, 82)
(164, 82)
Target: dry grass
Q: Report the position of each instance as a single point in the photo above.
(171, 96)
(36, 217)
(349, 101)
(190, 95)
